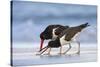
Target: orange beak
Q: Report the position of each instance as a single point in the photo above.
(41, 45)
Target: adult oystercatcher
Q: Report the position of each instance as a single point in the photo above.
(66, 37)
(51, 32)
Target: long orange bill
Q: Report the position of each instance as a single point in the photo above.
(41, 45)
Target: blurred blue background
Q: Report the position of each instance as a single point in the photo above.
(31, 18)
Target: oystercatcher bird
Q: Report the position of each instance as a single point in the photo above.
(66, 37)
(51, 32)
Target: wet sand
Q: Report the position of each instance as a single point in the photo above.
(27, 56)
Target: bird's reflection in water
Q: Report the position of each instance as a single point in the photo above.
(58, 56)
(50, 56)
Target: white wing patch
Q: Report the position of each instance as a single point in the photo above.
(54, 35)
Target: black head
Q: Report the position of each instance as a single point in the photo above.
(54, 44)
(42, 36)
(51, 43)
(45, 36)
(84, 25)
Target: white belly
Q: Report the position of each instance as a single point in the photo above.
(63, 41)
(54, 35)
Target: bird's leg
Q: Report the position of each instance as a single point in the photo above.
(44, 51)
(49, 51)
(67, 49)
(60, 50)
(78, 47)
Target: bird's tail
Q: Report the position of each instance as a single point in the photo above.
(84, 25)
